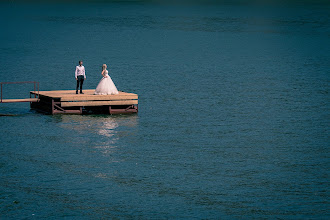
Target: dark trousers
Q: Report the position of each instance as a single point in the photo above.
(81, 82)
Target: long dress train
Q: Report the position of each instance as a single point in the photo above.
(106, 86)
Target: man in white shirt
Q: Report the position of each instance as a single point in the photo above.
(80, 76)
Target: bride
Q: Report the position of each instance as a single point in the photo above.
(105, 86)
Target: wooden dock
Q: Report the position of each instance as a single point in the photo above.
(68, 102)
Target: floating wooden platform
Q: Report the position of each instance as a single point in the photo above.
(67, 101)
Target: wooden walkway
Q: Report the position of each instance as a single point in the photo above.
(36, 92)
(67, 101)
(19, 100)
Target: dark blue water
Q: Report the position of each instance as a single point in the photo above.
(233, 115)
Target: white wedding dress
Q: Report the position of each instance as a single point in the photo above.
(106, 86)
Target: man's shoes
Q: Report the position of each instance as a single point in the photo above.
(76, 92)
(81, 93)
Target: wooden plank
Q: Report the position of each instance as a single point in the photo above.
(99, 97)
(71, 92)
(99, 103)
(20, 100)
(70, 95)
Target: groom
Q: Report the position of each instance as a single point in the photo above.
(80, 76)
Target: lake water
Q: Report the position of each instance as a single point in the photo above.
(233, 115)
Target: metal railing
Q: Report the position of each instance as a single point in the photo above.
(36, 84)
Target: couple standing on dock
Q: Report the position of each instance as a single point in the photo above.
(105, 86)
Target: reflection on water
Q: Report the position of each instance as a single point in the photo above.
(100, 132)
(107, 127)
(102, 124)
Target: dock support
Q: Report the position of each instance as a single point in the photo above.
(53, 106)
(58, 107)
(123, 109)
